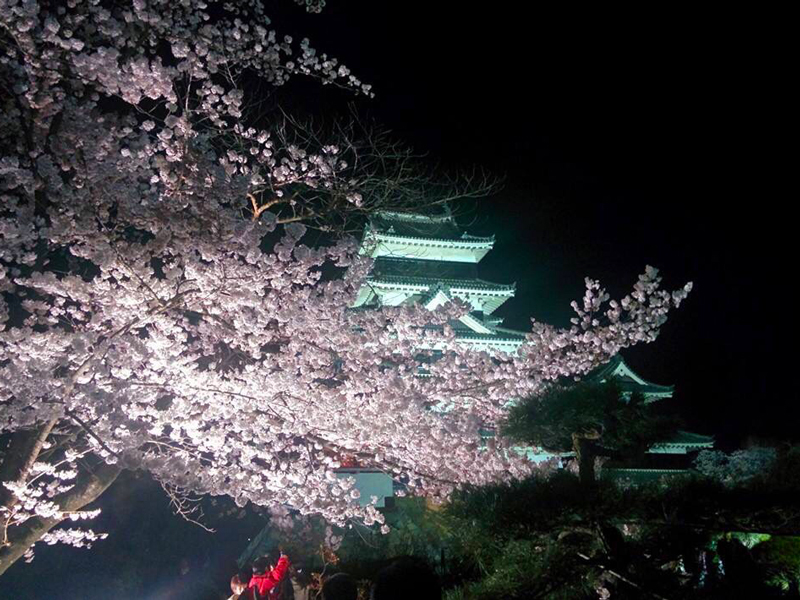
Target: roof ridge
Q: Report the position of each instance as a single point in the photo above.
(411, 217)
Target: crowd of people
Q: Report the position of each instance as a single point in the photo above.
(405, 578)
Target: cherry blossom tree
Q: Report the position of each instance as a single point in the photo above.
(159, 310)
(737, 468)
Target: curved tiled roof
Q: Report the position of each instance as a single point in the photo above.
(508, 337)
(626, 383)
(687, 438)
(437, 227)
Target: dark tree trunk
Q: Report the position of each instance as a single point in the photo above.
(88, 487)
(22, 451)
(585, 454)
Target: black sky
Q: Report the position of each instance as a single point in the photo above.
(626, 139)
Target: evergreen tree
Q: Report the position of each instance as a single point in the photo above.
(589, 419)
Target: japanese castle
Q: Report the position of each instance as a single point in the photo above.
(428, 259)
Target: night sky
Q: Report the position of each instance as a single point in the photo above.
(625, 139)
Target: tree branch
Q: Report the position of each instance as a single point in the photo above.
(22, 451)
(89, 486)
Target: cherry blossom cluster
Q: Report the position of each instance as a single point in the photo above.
(35, 497)
(180, 69)
(225, 369)
(77, 538)
(334, 541)
(736, 468)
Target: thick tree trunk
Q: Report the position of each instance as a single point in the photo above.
(585, 454)
(88, 488)
(23, 450)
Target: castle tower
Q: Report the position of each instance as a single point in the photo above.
(427, 259)
(430, 260)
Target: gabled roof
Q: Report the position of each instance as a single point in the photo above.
(629, 380)
(476, 325)
(470, 324)
(435, 297)
(683, 441)
(489, 295)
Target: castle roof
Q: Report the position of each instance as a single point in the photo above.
(629, 381)
(441, 227)
(423, 237)
(482, 295)
(474, 285)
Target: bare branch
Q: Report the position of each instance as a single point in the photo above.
(186, 506)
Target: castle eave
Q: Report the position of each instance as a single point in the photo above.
(466, 242)
(475, 286)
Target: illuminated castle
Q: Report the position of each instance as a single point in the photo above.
(428, 259)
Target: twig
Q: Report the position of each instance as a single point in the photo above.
(623, 578)
(91, 433)
(180, 502)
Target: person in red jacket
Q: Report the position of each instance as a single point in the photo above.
(266, 578)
